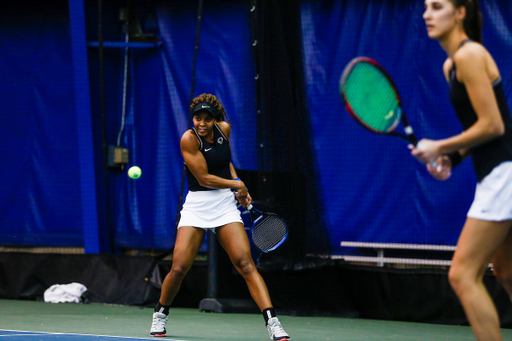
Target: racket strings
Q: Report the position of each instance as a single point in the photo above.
(372, 97)
(269, 232)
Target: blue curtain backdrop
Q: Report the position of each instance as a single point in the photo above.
(40, 196)
(373, 190)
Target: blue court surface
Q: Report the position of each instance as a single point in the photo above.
(18, 335)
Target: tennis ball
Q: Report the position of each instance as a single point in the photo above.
(134, 172)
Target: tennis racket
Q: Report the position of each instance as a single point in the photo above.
(268, 231)
(372, 99)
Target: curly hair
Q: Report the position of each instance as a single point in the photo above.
(214, 102)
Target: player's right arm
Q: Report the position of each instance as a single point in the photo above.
(196, 162)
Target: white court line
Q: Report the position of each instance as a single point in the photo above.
(24, 332)
(16, 335)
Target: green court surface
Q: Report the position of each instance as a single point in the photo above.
(192, 325)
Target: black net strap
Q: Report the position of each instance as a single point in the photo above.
(285, 137)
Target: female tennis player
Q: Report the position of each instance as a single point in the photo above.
(478, 98)
(211, 204)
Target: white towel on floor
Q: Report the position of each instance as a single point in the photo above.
(61, 293)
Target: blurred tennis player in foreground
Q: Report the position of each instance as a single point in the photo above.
(211, 204)
(478, 98)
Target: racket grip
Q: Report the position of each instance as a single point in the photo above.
(433, 164)
(410, 134)
(249, 207)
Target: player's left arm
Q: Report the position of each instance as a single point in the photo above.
(472, 71)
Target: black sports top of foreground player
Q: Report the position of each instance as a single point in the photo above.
(217, 156)
(490, 154)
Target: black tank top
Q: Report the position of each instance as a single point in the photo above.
(488, 155)
(217, 156)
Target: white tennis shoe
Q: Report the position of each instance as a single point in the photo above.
(158, 325)
(276, 331)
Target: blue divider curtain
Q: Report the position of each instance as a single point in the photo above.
(40, 200)
(373, 190)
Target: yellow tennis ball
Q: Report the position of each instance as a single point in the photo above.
(134, 172)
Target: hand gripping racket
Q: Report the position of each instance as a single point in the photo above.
(268, 231)
(372, 99)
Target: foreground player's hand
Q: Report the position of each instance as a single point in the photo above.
(426, 151)
(242, 195)
(442, 169)
(244, 200)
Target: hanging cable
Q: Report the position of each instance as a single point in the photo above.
(124, 16)
(256, 50)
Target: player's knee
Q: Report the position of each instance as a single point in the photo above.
(503, 274)
(179, 270)
(463, 279)
(245, 266)
(457, 279)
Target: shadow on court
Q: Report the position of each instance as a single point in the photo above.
(31, 320)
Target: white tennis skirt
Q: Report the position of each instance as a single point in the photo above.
(210, 209)
(493, 195)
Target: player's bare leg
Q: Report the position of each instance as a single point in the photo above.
(233, 239)
(502, 263)
(478, 243)
(188, 241)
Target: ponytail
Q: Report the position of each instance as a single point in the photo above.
(473, 21)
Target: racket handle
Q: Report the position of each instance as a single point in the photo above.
(249, 207)
(410, 135)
